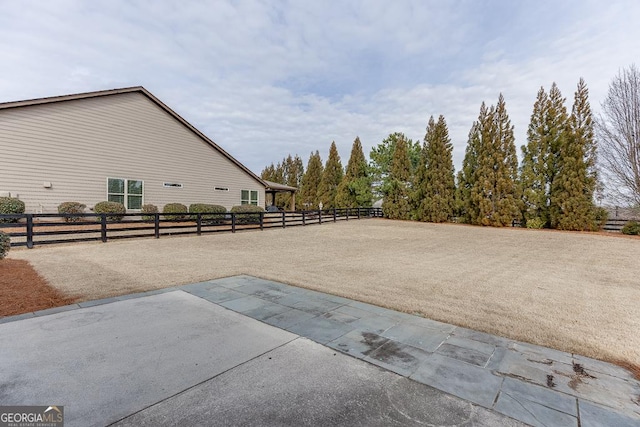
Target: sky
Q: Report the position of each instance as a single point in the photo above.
(265, 79)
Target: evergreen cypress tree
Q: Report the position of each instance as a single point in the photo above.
(268, 172)
(310, 183)
(434, 184)
(466, 205)
(331, 178)
(545, 139)
(396, 201)
(532, 176)
(355, 188)
(573, 188)
(494, 195)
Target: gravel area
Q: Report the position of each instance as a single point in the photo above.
(577, 292)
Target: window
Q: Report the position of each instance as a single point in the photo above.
(249, 197)
(129, 192)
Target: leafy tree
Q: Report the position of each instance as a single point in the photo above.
(355, 188)
(396, 198)
(308, 193)
(382, 157)
(619, 135)
(434, 184)
(573, 189)
(331, 178)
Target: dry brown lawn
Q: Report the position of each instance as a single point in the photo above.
(576, 292)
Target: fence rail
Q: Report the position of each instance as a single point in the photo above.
(615, 225)
(43, 229)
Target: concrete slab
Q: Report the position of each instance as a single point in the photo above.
(105, 362)
(400, 358)
(416, 336)
(320, 329)
(304, 384)
(358, 343)
(533, 413)
(460, 379)
(592, 415)
(288, 318)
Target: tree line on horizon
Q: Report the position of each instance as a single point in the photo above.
(553, 187)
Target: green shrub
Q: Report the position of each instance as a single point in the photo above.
(149, 209)
(114, 210)
(175, 208)
(11, 205)
(203, 208)
(248, 214)
(601, 216)
(535, 223)
(631, 228)
(71, 208)
(5, 244)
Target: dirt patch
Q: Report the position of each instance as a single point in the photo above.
(23, 290)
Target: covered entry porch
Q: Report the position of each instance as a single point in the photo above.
(274, 187)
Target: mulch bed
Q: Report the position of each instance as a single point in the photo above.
(23, 290)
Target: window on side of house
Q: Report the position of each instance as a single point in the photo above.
(129, 192)
(249, 197)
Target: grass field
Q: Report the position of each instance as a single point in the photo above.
(576, 292)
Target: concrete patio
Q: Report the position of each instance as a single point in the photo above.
(247, 351)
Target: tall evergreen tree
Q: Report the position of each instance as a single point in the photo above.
(573, 189)
(396, 199)
(382, 157)
(495, 196)
(434, 185)
(355, 188)
(331, 178)
(293, 172)
(310, 183)
(465, 204)
(532, 170)
(541, 156)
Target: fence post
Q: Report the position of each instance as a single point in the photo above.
(304, 222)
(261, 220)
(30, 231)
(358, 212)
(233, 222)
(156, 225)
(319, 216)
(283, 219)
(334, 215)
(347, 211)
(103, 227)
(199, 224)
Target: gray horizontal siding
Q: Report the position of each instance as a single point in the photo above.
(76, 145)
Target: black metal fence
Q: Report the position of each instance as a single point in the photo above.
(43, 229)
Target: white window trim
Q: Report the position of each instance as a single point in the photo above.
(250, 191)
(126, 192)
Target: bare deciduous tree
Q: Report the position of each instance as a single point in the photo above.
(618, 130)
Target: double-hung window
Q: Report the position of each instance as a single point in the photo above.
(129, 192)
(249, 197)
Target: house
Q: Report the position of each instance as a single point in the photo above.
(121, 145)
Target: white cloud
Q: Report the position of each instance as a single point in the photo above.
(265, 79)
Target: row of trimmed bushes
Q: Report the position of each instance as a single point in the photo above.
(178, 212)
(115, 211)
